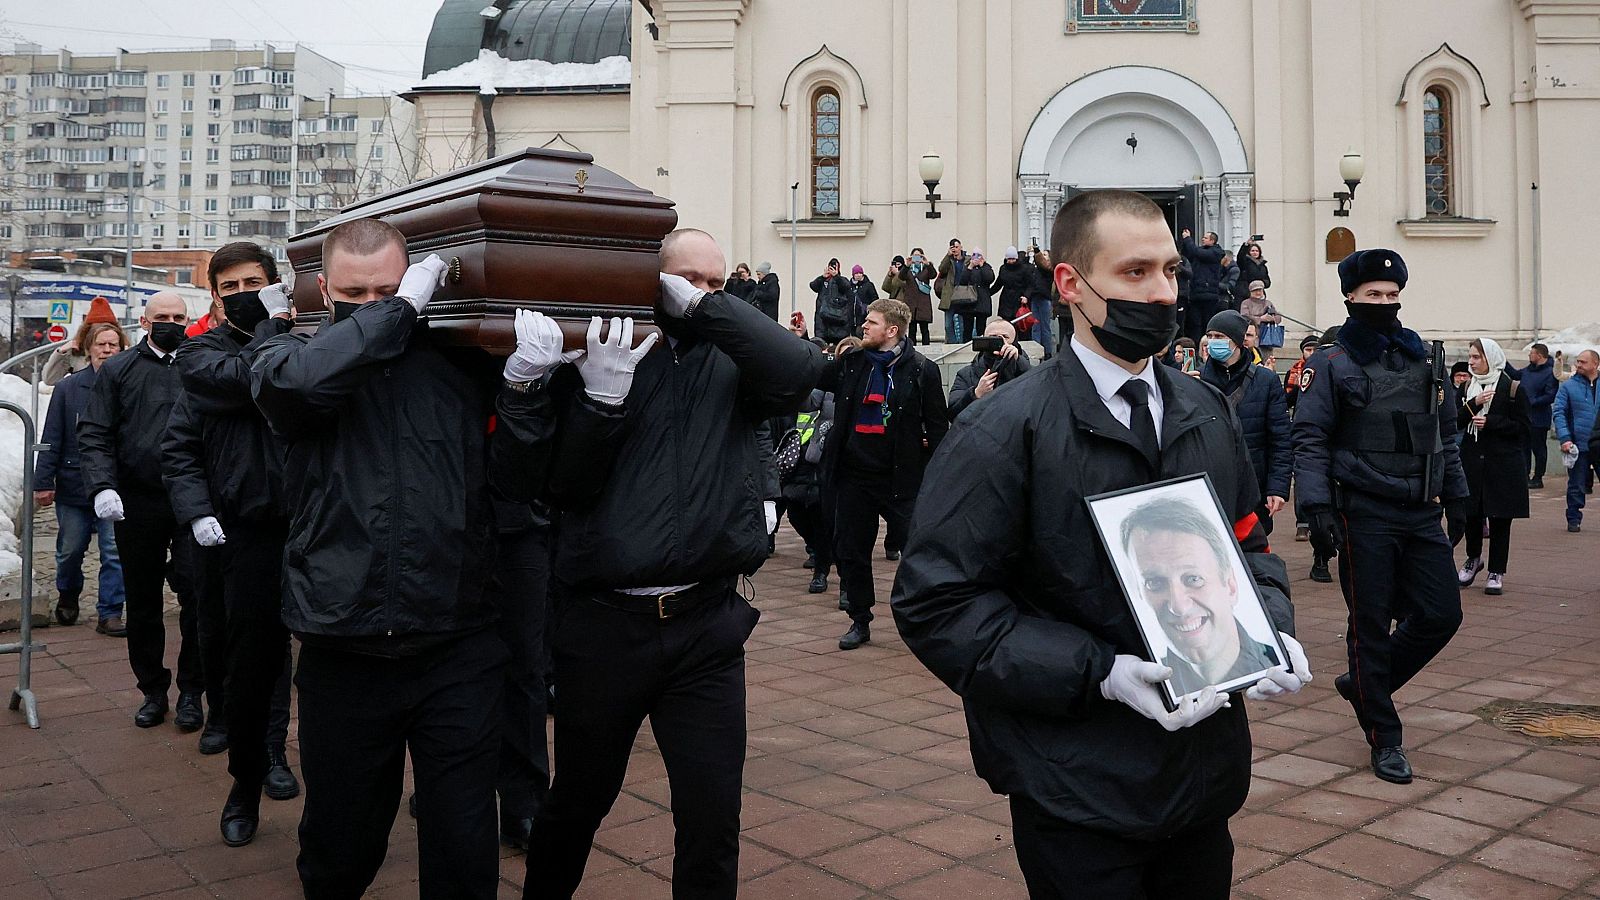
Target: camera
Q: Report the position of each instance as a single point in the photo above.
(989, 343)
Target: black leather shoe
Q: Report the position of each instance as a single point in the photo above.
(241, 814)
(1390, 764)
(1346, 688)
(1319, 571)
(891, 555)
(514, 832)
(188, 715)
(1535, 484)
(859, 633)
(412, 804)
(811, 561)
(152, 713)
(819, 583)
(844, 602)
(67, 610)
(214, 739)
(280, 783)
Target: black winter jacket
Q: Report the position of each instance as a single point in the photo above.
(1206, 279)
(1019, 612)
(666, 488)
(966, 380)
(835, 313)
(120, 432)
(1264, 417)
(1014, 280)
(983, 283)
(59, 465)
(918, 419)
(766, 296)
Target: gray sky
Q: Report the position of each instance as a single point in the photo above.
(380, 42)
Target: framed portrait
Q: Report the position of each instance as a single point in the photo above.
(1186, 580)
(1132, 15)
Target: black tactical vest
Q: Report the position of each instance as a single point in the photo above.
(1389, 418)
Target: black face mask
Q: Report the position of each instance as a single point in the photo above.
(1380, 317)
(1135, 331)
(339, 310)
(244, 311)
(166, 336)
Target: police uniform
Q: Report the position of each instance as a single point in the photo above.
(1375, 451)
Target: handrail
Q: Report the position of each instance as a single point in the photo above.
(11, 363)
(22, 694)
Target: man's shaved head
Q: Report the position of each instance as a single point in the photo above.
(694, 254)
(165, 303)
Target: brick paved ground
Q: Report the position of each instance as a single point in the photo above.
(859, 781)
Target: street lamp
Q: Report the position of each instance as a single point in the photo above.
(1351, 168)
(932, 171)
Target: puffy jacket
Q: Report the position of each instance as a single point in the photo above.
(386, 446)
(1539, 388)
(835, 313)
(1018, 610)
(1257, 398)
(1206, 278)
(966, 380)
(59, 465)
(918, 417)
(766, 296)
(120, 431)
(1014, 280)
(666, 488)
(1575, 409)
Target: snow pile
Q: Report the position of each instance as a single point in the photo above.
(491, 70)
(17, 391)
(1574, 340)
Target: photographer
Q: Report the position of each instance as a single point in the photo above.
(999, 360)
(835, 312)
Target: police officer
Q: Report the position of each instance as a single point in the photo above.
(1375, 450)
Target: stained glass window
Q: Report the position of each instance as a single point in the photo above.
(1438, 153)
(825, 137)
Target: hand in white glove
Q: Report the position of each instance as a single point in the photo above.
(275, 298)
(677, 293)
(421, 280)
(769, 509)
(607, 367)
(1133, 682)
(208, 531)
(108, 505)
(1278, 682)
(538, 348)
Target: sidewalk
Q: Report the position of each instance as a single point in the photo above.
(859, 782)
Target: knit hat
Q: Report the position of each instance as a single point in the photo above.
(764, 269)
(857, 270)
(1011, 253)
(1460, 368)
(1231, 324)
(1363, 266)
(100, 311)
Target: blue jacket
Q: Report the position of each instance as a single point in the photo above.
(1539, 388)
(1264, 418)
(57, 469)
(1575, 411)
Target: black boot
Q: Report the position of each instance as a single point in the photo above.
(189, 716)
(241, 814)
(811, 561)
(1319, 571)
(819, 583)
(214, 739)
(152, 713)
(860, 633)
(280, 783)
(514, 829)
(67, 609)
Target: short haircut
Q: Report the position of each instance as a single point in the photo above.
(361, 237)
(916, 250)
(94, 331)
(670, 242)
(993, 319)
(239, 253)
(894, 313)
(1175, 515)
(1589, 353)
(1544, 350)
(1212, 235)
(955, 241)
(1075, 237)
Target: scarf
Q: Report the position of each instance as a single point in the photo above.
(1496, 358)
(872, 417)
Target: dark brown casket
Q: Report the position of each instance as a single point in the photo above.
(546, 230)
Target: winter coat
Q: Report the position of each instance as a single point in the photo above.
(1251, 270)
(1496, 459)
(121, 429)
(951, 268)
(1539, 387)
(666, 488)
(1258, 399)
(59, 465)
(864, 292)
(1231, 287)
(961, 390)
(1574, 412)
(1206, 279)
(902, 289)
(835, 317)
(1015, 281)
(766, 296)
(982, 280)
(743, 288)
(1019, 611)
(918, 418)
(1259, 311)
(59, 365)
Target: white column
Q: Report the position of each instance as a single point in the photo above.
(1211, 205)
(1237, 190)
(1033, 220)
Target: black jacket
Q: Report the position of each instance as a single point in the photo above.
(1257, 398)
(1251, 270)
(386, 484)
(766, 296)
(59, 465)
(1206, 279)
(666, 488)
(743, 289)
(918, 420)
(219, 457)
(966, 380)
(983, 283)
(835, 312)
(1018, 610)
(1495, 460)
(121, 429)
(1015, 279)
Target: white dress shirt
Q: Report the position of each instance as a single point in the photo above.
(1108, 378)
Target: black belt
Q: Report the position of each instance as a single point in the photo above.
(665, 606)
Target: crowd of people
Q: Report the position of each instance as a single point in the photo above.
(446, 535)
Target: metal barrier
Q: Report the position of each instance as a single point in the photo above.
(22, 695)
(33, 356)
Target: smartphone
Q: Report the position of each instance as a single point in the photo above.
(1186, 356)
(1258, 237)
(988, 343)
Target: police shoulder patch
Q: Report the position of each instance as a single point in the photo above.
(1306, 376)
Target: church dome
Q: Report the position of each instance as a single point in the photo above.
(556, 31)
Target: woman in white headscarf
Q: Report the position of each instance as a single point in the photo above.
(1493, 420)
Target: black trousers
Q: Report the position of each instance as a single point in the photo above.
(1539, 449)
(258, 644)
(815, 528)
(1499, 541)
(860, 501)
(1396, 566)
(144, 540)
(359, 714)
(522, 581)
(922, 328)
(1063, 861)
(211, 618)
(686, 674)
(1198, 315)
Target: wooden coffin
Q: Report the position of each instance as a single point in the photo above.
(546, 230)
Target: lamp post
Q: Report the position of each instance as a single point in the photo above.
(1351, 168)
(14, 284)
(127, 292)
(932, 171)
(794, 249)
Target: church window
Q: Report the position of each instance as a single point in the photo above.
(825, 153)
(1438, 153)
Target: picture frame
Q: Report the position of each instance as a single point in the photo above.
(1132, 15)
(1178, 564)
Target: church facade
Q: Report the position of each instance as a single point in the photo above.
(784, 127)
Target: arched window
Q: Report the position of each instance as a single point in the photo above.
(825, 152)
(1438, 153)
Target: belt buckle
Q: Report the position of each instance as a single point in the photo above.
(661, 605)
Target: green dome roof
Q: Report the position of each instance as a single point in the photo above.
(557, 31)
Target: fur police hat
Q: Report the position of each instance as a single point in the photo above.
(1363, 266)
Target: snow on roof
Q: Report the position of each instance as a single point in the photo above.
(491, 71)
(1572, 341)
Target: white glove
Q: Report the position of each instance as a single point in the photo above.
(421, 280)
(1278, 682)
(677, 293)
(538, 348)
(108, 505)
(275, 297)
(607, 367)
(1133, 681)
(769, 509)
(208, 531)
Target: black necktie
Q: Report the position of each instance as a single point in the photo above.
(1140, 421)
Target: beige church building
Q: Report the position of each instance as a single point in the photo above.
(805, 127)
